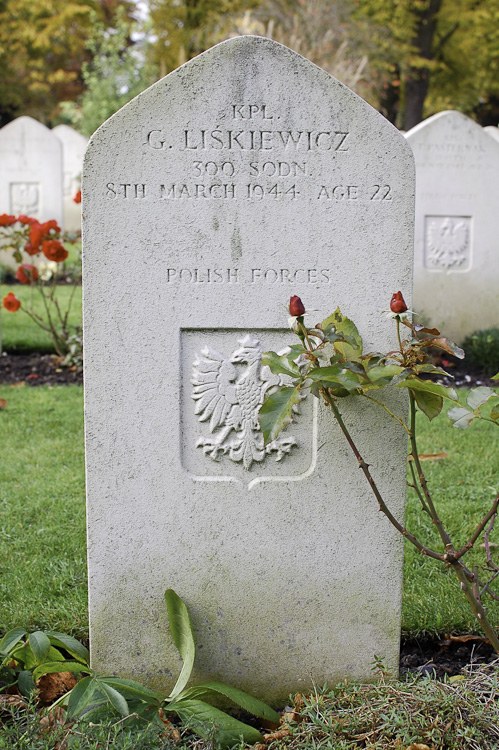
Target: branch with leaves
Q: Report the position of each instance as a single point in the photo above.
(329, 362)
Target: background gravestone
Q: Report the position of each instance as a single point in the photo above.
(456, 255)
(73, 151)
(493, 131)
(244, 177)
(30, 173)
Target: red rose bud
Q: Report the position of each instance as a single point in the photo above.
(397, 305)
(11, 303)
(77, 198)
(26, 273)
(54, 250)
(23, 219)
(296, 307)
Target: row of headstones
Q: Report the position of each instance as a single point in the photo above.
(457, 189)
(40, 171)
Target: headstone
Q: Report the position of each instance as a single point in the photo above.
(73, 150)
(456, 254)
(244, 177)
(492, 130)
(30, 173)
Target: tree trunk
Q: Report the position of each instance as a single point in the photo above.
(418, 78)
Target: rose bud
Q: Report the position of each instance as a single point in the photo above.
(11, 303)
(296, 307)
(26, 273)
(397, 304)
(77, 197)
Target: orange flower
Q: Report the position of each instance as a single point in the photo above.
(26, 273)
(397, 304)
(6, 220)
(11, 303)
(77, 198)
(54, 250)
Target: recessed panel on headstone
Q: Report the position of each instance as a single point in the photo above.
(456, 272)
(30, 172)
(73, 150)
(246, 176)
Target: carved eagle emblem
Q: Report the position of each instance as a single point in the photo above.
(447, 242)
(228, 393)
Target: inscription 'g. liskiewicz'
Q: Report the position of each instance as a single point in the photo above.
(254, 128)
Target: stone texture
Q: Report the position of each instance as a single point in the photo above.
(246, 176)
(73, 150)
(456, 254)
(30, 172)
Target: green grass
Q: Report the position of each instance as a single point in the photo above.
(42, 515)
(42, 509)
(19, 332)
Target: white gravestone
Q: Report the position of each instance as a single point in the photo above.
(30, 173)
(493, 131)
(456, 254)
(73, 150)
(244, 177)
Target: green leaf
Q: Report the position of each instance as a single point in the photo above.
(384, 372)
(53, 667)
(71, 645)
(81, 696)
(276, 411)
(40, 645)
(494, 415)
(415, 384)
(183, 637)
(242, 699)
(429, 403)
(495, 377)
(114, 697)
(10, 639)
(479, 396)
(25, 683)
(25, 656)
(281, 363)
(461, 416)
(202, 719)
(132, 690)
(347, 328)
(337, 375)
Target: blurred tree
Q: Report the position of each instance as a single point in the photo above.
(116, 73)
(183, 28)
(433, 54)
(42, 49)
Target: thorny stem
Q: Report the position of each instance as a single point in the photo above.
(469, 581)
(469, 544)
(400, 340)
(365, 468)
(422, 479)
(417, 490)
(486, 537)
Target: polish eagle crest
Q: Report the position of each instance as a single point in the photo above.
(447, 242)
(228, 392)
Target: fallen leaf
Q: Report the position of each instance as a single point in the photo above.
(33, 376)
(491, 544)
(430, 456)
(12, 701)
(417, 746)
(3, 403)
(52, 686)
(55, 717)
(279, 735)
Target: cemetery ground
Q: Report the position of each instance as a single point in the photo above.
(43, 586)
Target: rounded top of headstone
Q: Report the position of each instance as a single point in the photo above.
(248, 65)
(68, 134)
(449, 118)
(26, 123)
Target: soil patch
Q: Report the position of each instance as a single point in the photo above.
(36, 369)
(442, 657)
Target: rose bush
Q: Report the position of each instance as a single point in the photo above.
(26, 236)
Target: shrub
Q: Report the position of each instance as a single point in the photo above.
(482, 350)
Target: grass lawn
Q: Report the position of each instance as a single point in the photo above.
(19, 332)
(42, 515)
